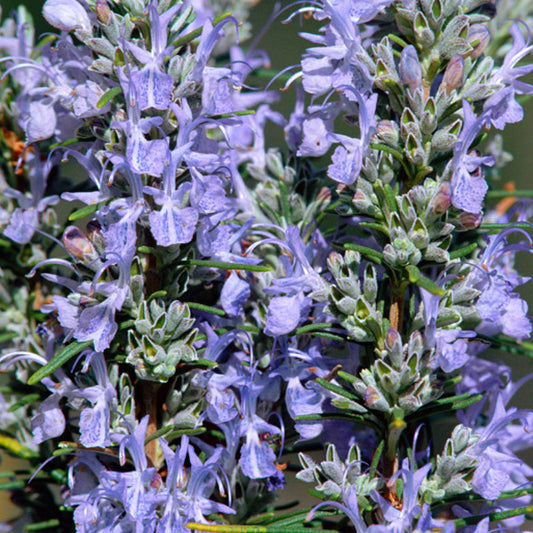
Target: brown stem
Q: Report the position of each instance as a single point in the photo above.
(150, 403)
(396, 308)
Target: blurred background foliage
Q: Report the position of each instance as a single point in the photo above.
(284, 47)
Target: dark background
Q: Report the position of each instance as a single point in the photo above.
(284, 48)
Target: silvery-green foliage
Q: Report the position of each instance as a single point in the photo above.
(161, 339)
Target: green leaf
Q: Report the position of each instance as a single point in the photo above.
(413, 272)
(234, 114)
(299, 518)
(223, 528)
(178, 43)
(14, 447)
(156, 294)
(369, 253)
(25, 400)
(4, 337)
(12, 485)
(390, 198)
(313, 327)
(348, 377)
(509, 345)
(331, 336)
(181, 432)
(108, 96)
(74, 348)
(501, 515)
(427, 284)
(54, 522)
(375, 226)
(439, 407)
(202, 363)
(227, 266)
(86, 211)
(68, 142)
(337, 390)
(465, 250)
(500, 226)
(206, 308)
(377, 456)
(507, 194)
(159, 433)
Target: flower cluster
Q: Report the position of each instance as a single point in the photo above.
(183, 305)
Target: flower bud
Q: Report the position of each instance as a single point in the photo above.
(461, 438)
(77, 244)
(102, 11)
(335, 264)
(440, 203)
(370, 283)
(393, 343)
(362, 203)
(388, 132)
(468, 221)
(94, 233)
(453, 75)
(375, 400)
(410, 70)
(478, 38)
(67, 15)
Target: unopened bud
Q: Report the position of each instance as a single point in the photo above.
(94, 233)
(324, 195)
(102, 11)
(393, 343)
(67, 15)
(370, 283)
(442, 200)
(468, 221)
(388, 132)
(77, 243)
(478, 38)
(335, 264)
(410, 70)
(416, 343)
(453, 75)
(392, 338)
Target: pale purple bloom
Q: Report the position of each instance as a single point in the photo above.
(67, 15)
(468, 182)
(400, 520)
(152, 84)
(335, 64)
(95, 420)
(499, 306)
(347, 160)
(143, 155)
(25, 219)
(234, 294)
(501, 107)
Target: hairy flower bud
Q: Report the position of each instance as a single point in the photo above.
(67, 15)
(102, 11)
(410, 69)
(440, 203)
(393, 343)
(468, 221)
(453, 75)
(94, 233)
(388, 132)
(478, 38)
(77, 244)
